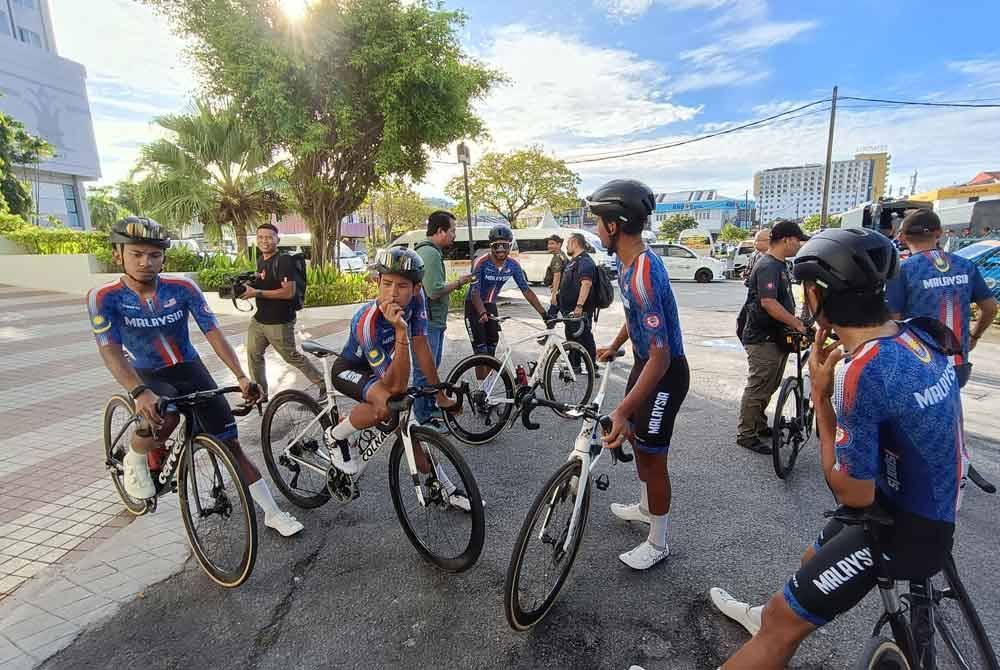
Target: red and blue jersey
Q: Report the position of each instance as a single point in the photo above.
(372, 338)
(154, 331)
(899, 423)
(650, 308)
(490, 278)
(941, 286)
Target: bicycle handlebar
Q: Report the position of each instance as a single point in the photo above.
(591, 411)
(201, 397)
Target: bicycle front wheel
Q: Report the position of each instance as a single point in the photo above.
(787, 427)
(568, 378)
(881, 654)
(288, 432)
(964, 642)
(489, 403)
(119, 428)
(218, 515)
(541, 561)
(449, 527)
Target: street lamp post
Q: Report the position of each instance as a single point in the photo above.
(463, 158)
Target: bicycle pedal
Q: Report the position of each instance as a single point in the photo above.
(602, 482)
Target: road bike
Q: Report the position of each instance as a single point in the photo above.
(215, 502)
(934, 609)
(551, 534)
(563, 369)
(433, 490)
(794, 415)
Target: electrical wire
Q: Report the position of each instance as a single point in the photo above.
(918, 103)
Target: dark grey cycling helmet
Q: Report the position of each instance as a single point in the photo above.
(854, 260)
(139, 230)
(400, 261)
(627, 202)
(501, 233)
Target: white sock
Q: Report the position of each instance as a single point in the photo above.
(443, 478)
(757, 614)
(135, 458)
(643, 498)
(658, 530)
(262, 496)
(344, 430)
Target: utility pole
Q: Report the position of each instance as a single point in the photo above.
(829, 163)
(463, 158)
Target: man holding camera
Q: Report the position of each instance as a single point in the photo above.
(273, 324)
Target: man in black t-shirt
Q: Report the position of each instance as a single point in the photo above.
(578, 277)
(273, 324)
(770, 309)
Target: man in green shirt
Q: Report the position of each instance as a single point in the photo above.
(440, 235)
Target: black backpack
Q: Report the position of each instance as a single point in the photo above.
(300, 276)
(603, 291)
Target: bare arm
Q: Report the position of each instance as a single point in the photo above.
(777, 312)
(848, 491)
(449, 287)
(397, 376)
(286, 292)
(532, 299)
(119, 367)
(556, 280)
(987, 314)
(225, 352)
(584, 292)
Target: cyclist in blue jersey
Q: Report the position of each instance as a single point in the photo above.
(490, 272)
(659, 380)
(890, 434)
(141, 325)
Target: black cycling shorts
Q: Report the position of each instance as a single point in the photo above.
(214, 417)
(484, 336)
(353, 379)
(654, 420)
(843, 571)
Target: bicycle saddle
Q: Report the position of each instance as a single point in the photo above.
(318, 350)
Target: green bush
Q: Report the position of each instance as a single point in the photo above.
(456, 299)
(182, 259)
(218, 271)
(57, 240)
(325, 286)
(10, 223)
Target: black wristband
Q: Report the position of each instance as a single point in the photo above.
(138, 391)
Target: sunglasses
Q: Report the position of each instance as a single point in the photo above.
(505, 246)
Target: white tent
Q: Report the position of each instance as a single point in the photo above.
(548, 221)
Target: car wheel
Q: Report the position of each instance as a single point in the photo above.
(703, 276)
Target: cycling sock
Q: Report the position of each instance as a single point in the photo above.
(262, 496)
(756, 614)
(658, 531)
(134, 457)
(344, 430)
(644, 498)
(442, 477)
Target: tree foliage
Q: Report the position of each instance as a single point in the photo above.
(211, 168)
(510, 183)
(811, 223)
(18, 147)
(397, 208)
(731, 233)
(353, 92)
(105, 207)
(675, 224)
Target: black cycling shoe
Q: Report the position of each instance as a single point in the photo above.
(757, 446)
(766, 434)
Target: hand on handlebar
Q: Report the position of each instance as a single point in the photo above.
(447, 404)
(605, 354)
(621, 430)
(250, 389)
(799, 326)
(146, 407)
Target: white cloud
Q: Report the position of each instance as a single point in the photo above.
(624, 9)
(732, 10)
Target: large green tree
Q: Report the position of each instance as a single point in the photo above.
(675, 224)
(211, 168)
(397, 207)
(353, 91)
(18, 147)
(510, 183)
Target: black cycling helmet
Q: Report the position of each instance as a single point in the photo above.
(627, 202)
(841, 260)
(139, 230)
(400, 261)
(501, 233)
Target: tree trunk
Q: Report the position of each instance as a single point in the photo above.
(240, 233)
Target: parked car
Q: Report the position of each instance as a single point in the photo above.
(683, 263)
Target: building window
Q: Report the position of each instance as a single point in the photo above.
(26, 4)
(4, 24)
(30, 37)
(72, 214)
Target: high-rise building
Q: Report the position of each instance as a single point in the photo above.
(48, 94)
(795, 192)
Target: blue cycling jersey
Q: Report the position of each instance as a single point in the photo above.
(650, 309)
(941, 286)
(153, 332)
(490, 279)
(899, 423)
(372, 338)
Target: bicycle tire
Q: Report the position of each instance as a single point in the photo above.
(549, 367)
(987, 656)
(466, 558)
(786, 437)
(881, 653)
(304, 498)
(114, 453)
(220, 455)
(518, 618)
(471, 407)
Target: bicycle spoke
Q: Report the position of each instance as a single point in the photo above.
(292, 437)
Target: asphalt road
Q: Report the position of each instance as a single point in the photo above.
(350, 592)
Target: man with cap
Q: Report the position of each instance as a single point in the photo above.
(553, 274)
(770, 310)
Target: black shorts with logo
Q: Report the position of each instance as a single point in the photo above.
(214, 416)
(484, 336)
(353, 379)
(654, 420)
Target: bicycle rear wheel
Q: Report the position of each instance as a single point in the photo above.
(787, 427)
(286, 426)
(488, 406)
(536, 576)
(881, 654)
(964, 642)
(446, 535)
(118, 432)
(562, 385)
(217, 512)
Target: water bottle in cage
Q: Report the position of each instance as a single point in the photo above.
(522, 376)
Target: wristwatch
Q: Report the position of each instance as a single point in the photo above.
(138, 391)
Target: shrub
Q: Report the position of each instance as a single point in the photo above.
(217, 271)
(182, 259)
(325, 286)
(456, 299)
(10, 223)
(57, 240)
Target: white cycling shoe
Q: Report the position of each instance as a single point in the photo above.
(644, 556)
(738, 611)
(633, 512)
(350, 467)
(137, 480)
(283, 522)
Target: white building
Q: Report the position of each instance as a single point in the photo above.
(796, 192)
(711, 210)
(48, 94)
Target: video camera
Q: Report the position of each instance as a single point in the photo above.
(235, 287)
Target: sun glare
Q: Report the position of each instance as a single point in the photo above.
(295, 9)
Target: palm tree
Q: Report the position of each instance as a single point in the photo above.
(211, 168)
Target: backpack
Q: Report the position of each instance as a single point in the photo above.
(603, 292)
(300, 276)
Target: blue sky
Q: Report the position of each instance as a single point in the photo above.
(598, 76)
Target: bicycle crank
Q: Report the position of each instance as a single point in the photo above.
(342, 487)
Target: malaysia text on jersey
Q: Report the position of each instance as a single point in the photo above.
(490, 278)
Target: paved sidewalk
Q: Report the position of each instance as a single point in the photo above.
(58, 507)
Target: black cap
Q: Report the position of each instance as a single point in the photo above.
(921, 222)
(554, 238)
(784, 228)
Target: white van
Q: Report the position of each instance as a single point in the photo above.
(456, 257)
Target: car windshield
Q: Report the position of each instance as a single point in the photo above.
(976, 249)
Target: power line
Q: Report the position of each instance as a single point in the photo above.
(919, 103)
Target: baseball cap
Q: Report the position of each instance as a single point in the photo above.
(554, 238)
(920, 222)
(782, 229)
